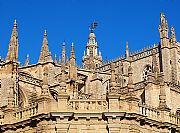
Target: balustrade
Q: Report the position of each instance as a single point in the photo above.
(26, 112)
(87, 105)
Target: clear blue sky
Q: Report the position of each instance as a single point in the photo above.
(135, 21)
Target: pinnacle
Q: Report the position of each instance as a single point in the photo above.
(127, 44)
(45, 33)
(45, 55)
(15, 24)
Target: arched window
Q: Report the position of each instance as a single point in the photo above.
(146, 70)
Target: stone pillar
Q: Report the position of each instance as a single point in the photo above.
(44, 104)
(113, 103)
(62, 104)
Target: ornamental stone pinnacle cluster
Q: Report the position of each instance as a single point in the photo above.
(138, 92)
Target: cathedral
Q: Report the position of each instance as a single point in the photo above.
(135, 93)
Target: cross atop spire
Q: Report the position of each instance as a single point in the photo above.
(12, 54)
(45, 55)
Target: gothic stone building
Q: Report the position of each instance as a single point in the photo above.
(135, 93)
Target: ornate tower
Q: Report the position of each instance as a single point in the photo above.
(91, 58)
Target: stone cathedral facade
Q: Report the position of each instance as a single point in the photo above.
(135, 93)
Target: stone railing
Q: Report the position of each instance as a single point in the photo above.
(174, 119)
(81, 105)
(26, 112)
(155, 114)
(149, 111)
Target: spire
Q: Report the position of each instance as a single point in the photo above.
(72, 56)
(12, 54)
(45, 55)
(173, 35)
(127, 50)
(27, 60)
(63, 58)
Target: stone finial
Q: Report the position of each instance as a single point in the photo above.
(63, 58)
(173, 35)
(12, 54)
(72, 56)
(163, 21)
(127, 50)
(45, 55)
(27, 60)
(163, 27)
(55, 59)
